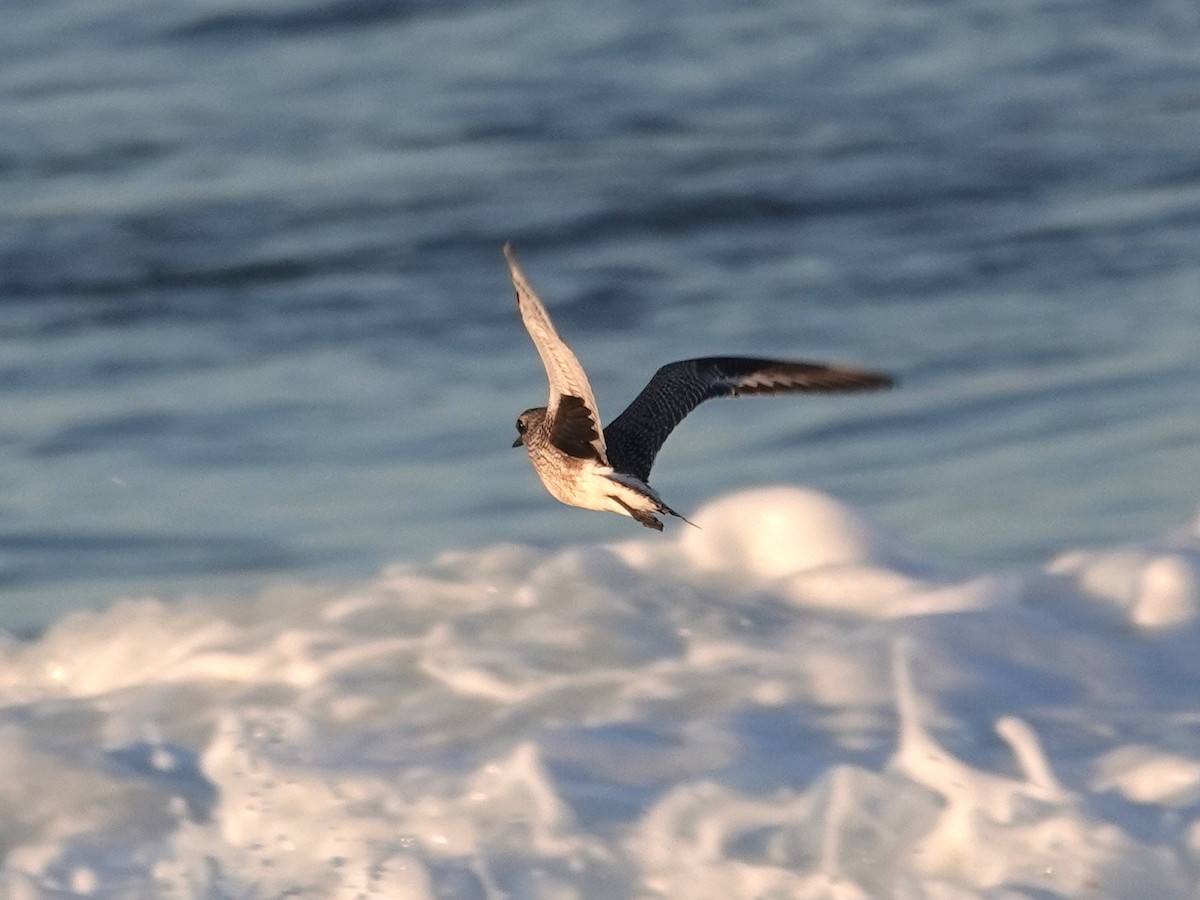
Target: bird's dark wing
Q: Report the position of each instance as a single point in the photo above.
(635, 436)
(573, 430)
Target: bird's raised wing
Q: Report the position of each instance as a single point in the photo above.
(572, 413)
(636, 435)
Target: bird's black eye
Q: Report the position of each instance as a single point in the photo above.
(521, 426)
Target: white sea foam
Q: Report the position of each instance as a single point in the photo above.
(786, 702)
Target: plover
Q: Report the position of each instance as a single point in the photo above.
(584, 464)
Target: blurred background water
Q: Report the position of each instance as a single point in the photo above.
(254, 321)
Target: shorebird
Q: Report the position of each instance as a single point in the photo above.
(584, 464)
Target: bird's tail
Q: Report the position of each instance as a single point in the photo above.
(643, 490)
(680, 516)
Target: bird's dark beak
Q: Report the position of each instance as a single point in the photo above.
(519, 441)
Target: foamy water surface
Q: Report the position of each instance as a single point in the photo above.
(786, 702)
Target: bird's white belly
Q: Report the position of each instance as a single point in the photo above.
(588, 485)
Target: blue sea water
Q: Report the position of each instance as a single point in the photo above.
(254, 320)
(281, 611)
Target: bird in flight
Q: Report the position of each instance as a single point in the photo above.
(585, 464)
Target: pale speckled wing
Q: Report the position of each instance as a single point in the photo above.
(566, 375)
(636, 435)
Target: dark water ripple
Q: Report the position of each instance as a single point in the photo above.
(253, 313)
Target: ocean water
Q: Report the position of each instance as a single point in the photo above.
(285, 615)
(788, 702)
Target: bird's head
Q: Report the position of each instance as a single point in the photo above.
(531, 418)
